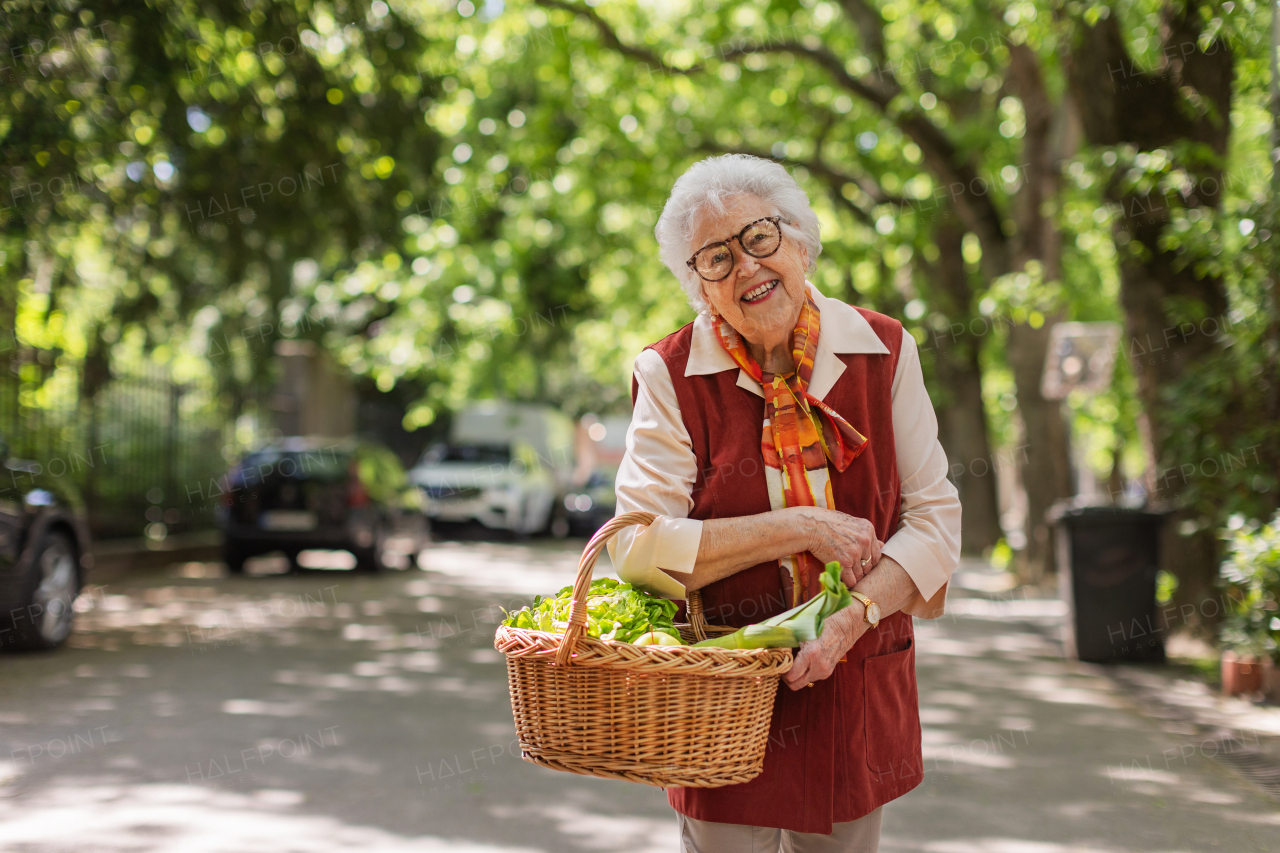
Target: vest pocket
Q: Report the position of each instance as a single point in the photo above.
(892, 715)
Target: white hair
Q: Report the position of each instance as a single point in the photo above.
(707, 184)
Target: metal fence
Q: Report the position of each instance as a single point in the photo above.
(141, 449)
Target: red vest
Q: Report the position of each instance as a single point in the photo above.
(848, 745)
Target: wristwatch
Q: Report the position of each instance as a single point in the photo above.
(873, 609)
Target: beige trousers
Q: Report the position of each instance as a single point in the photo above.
(856, 836)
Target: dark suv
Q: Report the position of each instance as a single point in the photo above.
(44, 554)
(309, 494)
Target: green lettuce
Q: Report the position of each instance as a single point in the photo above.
(615, 611)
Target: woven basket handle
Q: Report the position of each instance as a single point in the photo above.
(578, 607)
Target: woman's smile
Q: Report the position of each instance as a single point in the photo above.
(760, 292)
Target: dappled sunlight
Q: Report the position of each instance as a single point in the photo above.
(953, 648)
(1010, 646)
(381, 709)
(1054, 689)
(937, 716)
(1030, 609)
(590, 829)
(1217, 798)
(1102, 719)
(254, 706)
(1263, 819)
(1078, 811)
(1229, 712)
(301, 714)
(951, 697)
(524, 569)
(1137, 774)
(123, 818)
(1012, 845)
(946, 753)
(1023, 749)
(197, 614)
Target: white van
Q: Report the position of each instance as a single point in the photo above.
(505, 465)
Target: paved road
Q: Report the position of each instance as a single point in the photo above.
(329, 712)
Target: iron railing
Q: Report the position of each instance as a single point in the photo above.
(143, 450)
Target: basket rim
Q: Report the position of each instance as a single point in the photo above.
(520, 643)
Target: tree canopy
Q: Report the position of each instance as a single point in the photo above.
(457, 200)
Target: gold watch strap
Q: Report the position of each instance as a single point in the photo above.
(866, 603)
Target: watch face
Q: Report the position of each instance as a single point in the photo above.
(873, 613)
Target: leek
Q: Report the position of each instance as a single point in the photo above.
(755, 637)
(797, 625)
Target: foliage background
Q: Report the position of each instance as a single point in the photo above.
(476, 187)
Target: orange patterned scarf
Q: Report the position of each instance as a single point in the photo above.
(801, 433)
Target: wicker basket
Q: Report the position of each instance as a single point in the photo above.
(671, 716)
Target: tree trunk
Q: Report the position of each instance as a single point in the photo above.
(962, 417)
(95, 373)
(1046, 463)
(1046, 459)
(1159, 347)
(1182, 107)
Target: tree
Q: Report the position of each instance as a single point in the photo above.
(181, 172)
(1163, 135)
(920, 74)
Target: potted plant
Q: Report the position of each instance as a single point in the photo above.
(1250, 634)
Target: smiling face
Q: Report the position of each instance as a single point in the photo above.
(761, 298)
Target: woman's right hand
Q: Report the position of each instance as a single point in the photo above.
(846, 539)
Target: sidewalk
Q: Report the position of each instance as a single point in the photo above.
(1237, 732)
(395, 680)
(114, 559)
(1186, 695)
(1028, 751)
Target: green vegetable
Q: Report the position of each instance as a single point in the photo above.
(615, 611)
(755, 637)
(797, 625)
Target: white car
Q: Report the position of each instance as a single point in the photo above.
(486, 483)
(505, 466)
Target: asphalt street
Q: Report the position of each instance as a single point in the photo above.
(328, 712)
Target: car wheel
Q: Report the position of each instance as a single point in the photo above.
(233, 557)
(370, 559)
(52, 582)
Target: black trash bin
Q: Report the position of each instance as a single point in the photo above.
(1107, 563)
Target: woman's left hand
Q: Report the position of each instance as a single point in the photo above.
(818, 658)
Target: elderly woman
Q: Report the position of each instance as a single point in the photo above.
(781, 430)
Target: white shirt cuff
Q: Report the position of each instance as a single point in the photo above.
(677, 547)
(926, 568)
(640, 554)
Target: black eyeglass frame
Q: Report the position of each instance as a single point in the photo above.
(692, 263)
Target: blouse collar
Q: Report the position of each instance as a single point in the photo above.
(843, 331)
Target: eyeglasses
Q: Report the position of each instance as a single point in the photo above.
(759, 239)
